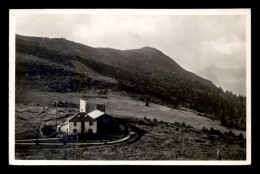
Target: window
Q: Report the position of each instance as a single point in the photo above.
(74, 130)
(91, 123)
(75, 123)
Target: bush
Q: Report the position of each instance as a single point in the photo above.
(223, 122)
(241, 136)
(141, 122)
(48, 130)
(230, 133)
(230, 124)
(236, 126)
(213, 131)
(176, 124)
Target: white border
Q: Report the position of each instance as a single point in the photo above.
(12, 19)
(136, 11)
(248, 86)
(11, 87)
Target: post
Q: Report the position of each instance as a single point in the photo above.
(217, 153)
(76, 149)
(182, 144)
(37, 135)
(56, 114)
(67, 134)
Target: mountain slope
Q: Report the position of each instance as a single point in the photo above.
(145, 74)
(145, 59)
(229, 79)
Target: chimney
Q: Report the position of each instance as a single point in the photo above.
(83, 106)
(101, 107)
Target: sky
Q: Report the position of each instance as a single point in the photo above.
(193, 41)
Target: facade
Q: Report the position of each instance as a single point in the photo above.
(84, 122)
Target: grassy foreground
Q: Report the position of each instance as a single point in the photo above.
(164, 141)
(167, 140)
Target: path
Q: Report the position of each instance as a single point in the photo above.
(25, 142)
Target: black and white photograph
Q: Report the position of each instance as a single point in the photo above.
(129, 86)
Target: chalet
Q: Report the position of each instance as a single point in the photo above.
(82, 123)
(96, 121)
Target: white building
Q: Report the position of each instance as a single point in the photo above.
(94, 121)
(84, 123)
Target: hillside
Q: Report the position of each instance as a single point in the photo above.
(63, 51)
(59, 65)
(229, 79)
(164, 141)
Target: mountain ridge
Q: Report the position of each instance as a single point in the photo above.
(116, 57)
(147, 74)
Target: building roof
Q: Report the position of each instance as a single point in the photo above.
(81, 116)
(95, 114)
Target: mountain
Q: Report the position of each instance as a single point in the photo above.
(146, 74)
(229, 79)
(66, 52)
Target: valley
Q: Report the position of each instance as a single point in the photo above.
(186, 112)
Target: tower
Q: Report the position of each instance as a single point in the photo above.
(83, 106)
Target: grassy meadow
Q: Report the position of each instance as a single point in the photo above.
(167, 138)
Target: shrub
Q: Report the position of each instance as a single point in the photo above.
(141, 122)
(176, 124)
(230, 124)
(230, 133)
(240, 136)
(48, 130)
(213, 131)
(236, 126)
(223, 122)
